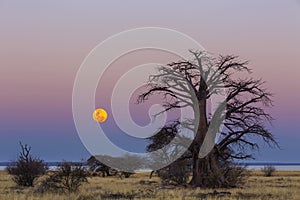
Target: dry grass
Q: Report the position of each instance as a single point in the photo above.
(283, 185)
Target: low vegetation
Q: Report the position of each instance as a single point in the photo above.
(268, 170)
(27, 168)
(283, 185)
(68, 177)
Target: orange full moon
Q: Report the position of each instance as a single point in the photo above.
(100, 115)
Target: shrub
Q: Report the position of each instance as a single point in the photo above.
(97, 166)
(123, 166)
(268, 170)
(67, 178)
(125, 174)
(233, 176)
(27, 168)
(176, 173)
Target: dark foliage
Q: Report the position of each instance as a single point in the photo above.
(123, 167)
(125, 174)
(163, 137)
(268, 170)
(232, 175)
(67, 178)
(96, 166)
(176, 173)
(27, 168)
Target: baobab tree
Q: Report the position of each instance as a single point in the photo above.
(243, 120)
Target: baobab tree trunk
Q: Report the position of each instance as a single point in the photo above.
(200, 165)
(199, 178)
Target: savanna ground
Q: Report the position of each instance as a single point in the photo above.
(283, 185)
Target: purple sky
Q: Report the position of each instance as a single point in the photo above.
(42, 45)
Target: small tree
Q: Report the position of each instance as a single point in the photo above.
(125, 166)
(67, 178)
(27, 168)
(97, 166)
(268, 170)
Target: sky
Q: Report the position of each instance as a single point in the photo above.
(43, 43)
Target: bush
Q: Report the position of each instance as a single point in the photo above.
(95, 166)
(123, 166)
(268, 170)
(67, 178)
(27, 168)
(176, 173)
(235, 176)
(232, 176)
(125, 174)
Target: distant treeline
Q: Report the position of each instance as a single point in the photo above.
(3, 164)
(270, 163)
